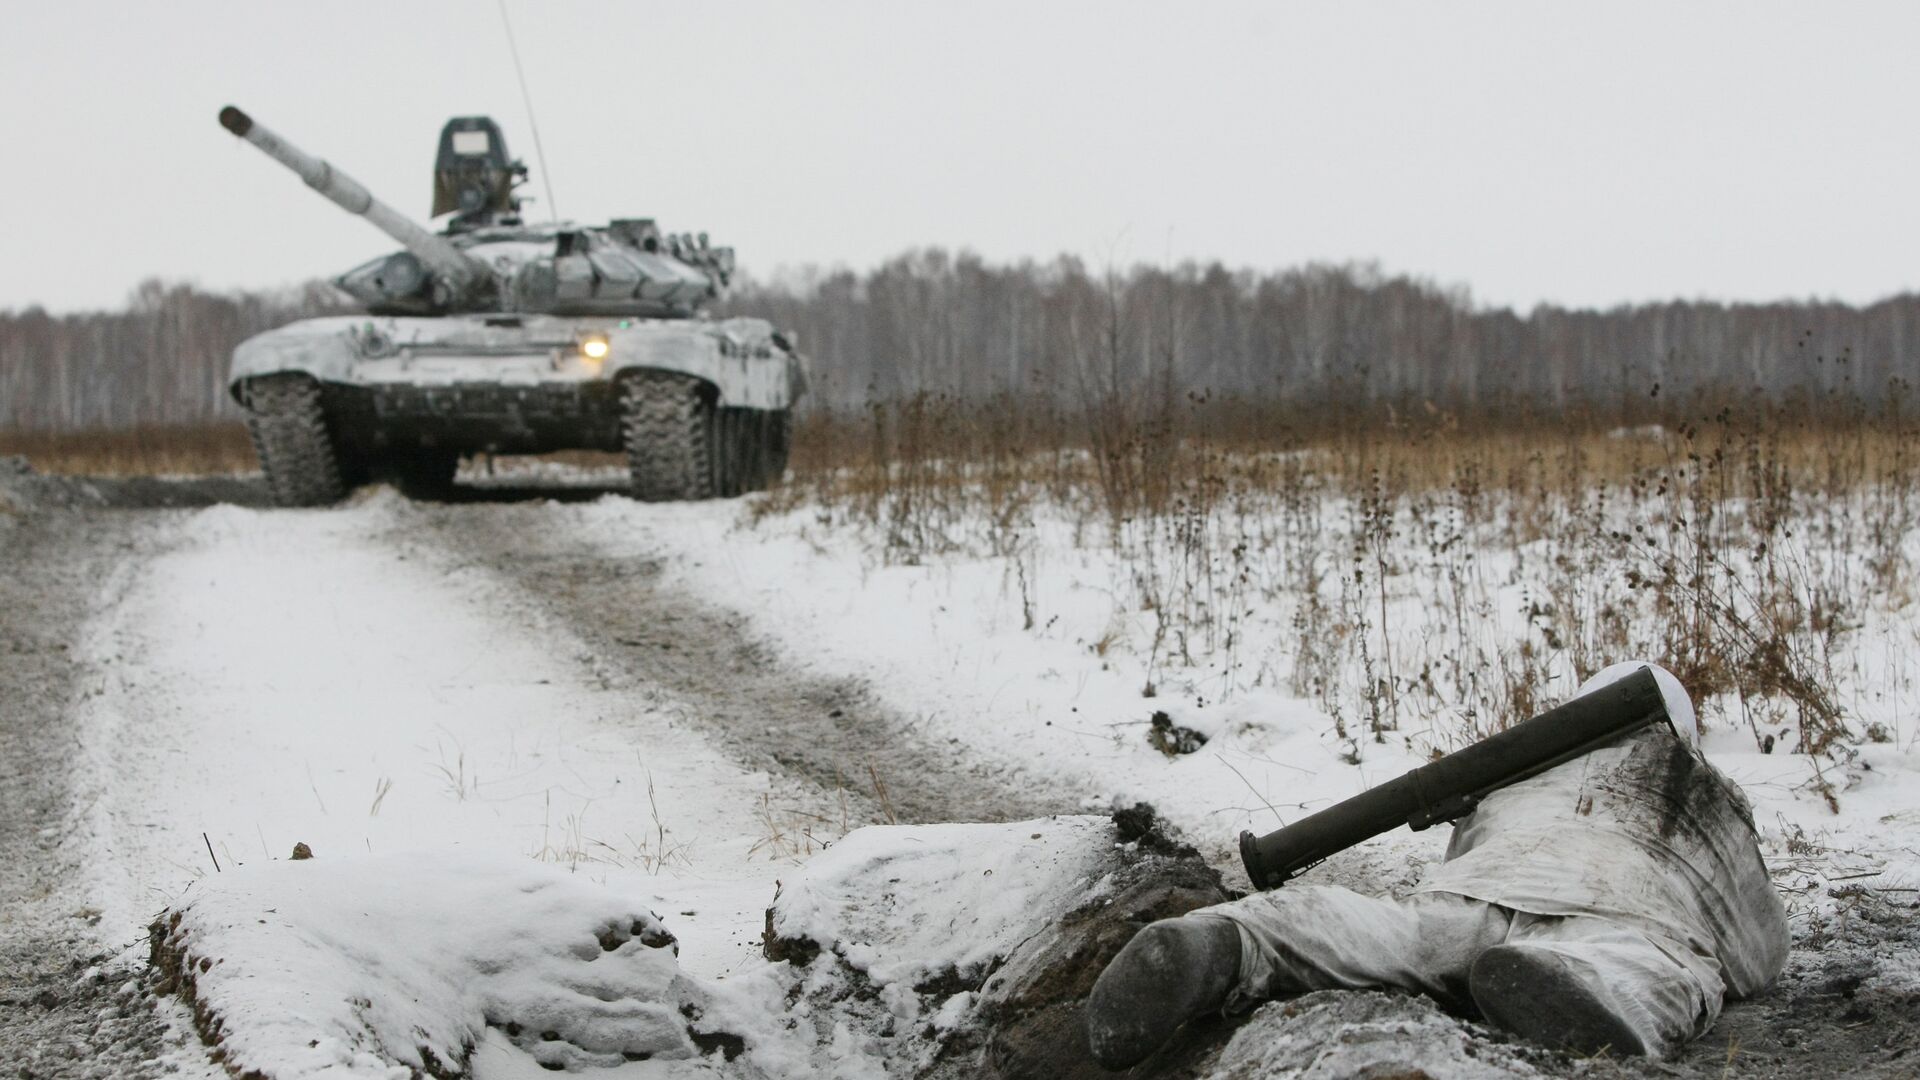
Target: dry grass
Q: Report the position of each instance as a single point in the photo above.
(1134, 463)
(1739, 544)
(574, 848)
(207, 449)
(1430, 563)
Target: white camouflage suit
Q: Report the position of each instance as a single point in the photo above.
(1636, 862)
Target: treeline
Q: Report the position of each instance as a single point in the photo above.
(160, 362)
(1317, 336)
(955, 325)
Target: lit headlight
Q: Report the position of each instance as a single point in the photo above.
(595, 348)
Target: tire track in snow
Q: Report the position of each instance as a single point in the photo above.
(70, 1005)
(834, 732)
(279, 677)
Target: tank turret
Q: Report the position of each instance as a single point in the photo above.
(488, 260)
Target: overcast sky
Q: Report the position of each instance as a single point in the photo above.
(1533, 152)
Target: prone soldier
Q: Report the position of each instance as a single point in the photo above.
(1610, 902)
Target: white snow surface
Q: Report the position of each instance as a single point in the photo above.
(904, 904)
(946, 640)
(287, 676)
(361, 968)
(283, 677)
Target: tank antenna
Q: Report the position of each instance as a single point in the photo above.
(546, 175)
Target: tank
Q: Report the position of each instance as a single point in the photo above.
(496, 336)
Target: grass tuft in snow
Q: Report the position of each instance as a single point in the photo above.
(1410, 568)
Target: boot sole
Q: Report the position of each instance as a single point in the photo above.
(1537, 996)
(1171, 972)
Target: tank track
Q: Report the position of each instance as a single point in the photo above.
(679, 446)
(667, 425)
(753, 448)
(779, 444)
(289, 429)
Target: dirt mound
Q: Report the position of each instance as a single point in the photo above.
(368, 966)
(958, 950)
(1036, 1006)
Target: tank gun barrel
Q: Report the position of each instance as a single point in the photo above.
(460, 274)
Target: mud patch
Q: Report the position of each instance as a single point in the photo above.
(23, 490)
(1035, 1008)
(865, 762)
(1848, 1003)
(1341, 1034)
(71, 1004)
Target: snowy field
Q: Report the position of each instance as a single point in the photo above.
(339, 679)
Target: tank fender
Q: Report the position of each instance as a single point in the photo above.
(322, 348)
(738, 357)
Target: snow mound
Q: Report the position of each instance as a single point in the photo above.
(946, 951)
(1342, 1033)
(911, 905)
(397, 965)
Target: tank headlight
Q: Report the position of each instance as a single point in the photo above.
(595, 348)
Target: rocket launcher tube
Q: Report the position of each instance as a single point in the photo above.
(449, 264)
(1452, 786)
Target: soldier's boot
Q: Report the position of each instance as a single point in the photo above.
(1544, 997)
(1171, 972)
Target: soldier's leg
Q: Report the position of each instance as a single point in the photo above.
(1301, 938)
(1285, 941)
(1595, 985)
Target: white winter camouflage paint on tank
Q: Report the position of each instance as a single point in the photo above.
(739, 357)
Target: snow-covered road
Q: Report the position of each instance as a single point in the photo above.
(387, 678)
(280, 678)
(684, 707)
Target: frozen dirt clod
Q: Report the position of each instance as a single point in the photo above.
(1170, 738)
(1034, 1008)
(901, 928)
(968, 950)
(351, 967)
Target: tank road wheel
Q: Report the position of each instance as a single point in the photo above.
(668, 424)
(289, 430)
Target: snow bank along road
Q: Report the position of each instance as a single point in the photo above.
(231, 682)
(629, 690)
